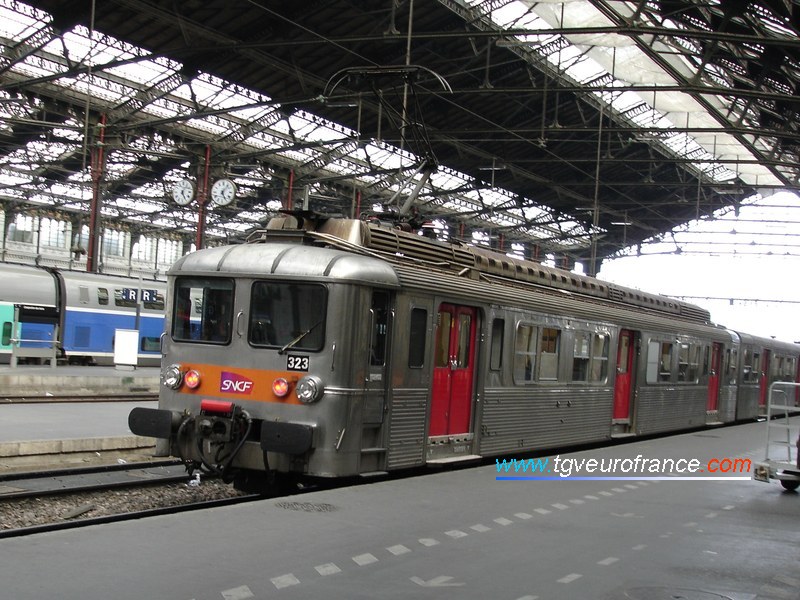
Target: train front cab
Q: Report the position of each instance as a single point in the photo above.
(275, 360)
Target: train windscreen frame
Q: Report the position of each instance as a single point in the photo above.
(203, 310)
(288, 314)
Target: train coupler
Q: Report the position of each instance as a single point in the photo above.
(217, 420)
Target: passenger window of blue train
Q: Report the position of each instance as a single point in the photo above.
(581, 357)
(102, 296)
(6, 340)
(418, 331)
(496, 350)
(525, 353)
(549, 352)
(150, 344)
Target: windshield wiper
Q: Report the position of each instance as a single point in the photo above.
(300, 337)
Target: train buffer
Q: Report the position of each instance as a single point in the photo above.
(782, 452)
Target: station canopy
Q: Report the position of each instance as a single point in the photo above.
(575, 128)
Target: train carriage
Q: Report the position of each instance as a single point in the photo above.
(333, 347)
(79, 312)
(30, 289)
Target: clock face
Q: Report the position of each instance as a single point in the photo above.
(223, 192)
(183, 192)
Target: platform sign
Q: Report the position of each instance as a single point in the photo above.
(126, 347)
(33, 313)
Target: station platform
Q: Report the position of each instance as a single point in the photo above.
(30, 383)
(48, 417)
(453, 534)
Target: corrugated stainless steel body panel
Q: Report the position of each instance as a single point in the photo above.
(527, 418)
(666, 408)
(560, 302)
(747, 401)
(407, 427)
(727, 403)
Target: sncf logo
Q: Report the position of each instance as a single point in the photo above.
(233, 383)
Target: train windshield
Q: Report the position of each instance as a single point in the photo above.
(288, 315)
(203, 310)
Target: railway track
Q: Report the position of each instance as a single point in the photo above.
(87, 479)
(38, 399)
(42, 501)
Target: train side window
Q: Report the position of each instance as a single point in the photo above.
(777, 368)
(102, 296)
(150, 344)
(418, 331)
(789, 369)
(496, 350)
(153, 299)
(550, 345)
(665, 363)
(525, 353)
(756, 367)
(659, 361)
(288, 314)
(600, 348)
(747, 367)
(442, 354)
(688, 362)
(216, 301)
(464, 324)
(6, 339)
(731, 365)
(380, 328)
(581, 357)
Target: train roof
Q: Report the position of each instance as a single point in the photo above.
(286, 258)
(770, 343)
(467, 262)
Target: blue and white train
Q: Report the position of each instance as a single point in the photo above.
(80, 312)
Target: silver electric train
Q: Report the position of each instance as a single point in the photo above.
(329, 348)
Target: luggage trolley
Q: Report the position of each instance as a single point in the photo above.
(781, 434)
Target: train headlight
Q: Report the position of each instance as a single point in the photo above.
(192, 379)
(309, 389)
(280, 387)
(173, 377)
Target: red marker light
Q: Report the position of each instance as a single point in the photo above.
(280, 387)
(192, 379)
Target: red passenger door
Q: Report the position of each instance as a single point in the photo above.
(451, 400)
(713, 377)
(622, 386)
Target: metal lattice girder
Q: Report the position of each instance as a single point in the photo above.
(144, 97)
(30, 45)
